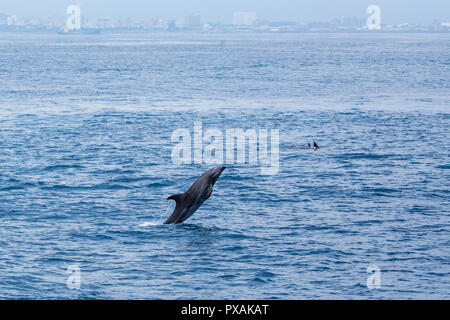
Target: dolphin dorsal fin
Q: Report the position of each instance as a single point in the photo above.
(177, 197)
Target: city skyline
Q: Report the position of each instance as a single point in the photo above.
(416, 12)
(242, 21)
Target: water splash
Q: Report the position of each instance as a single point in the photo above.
(158, 221)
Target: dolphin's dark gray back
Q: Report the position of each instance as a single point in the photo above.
(188, 202)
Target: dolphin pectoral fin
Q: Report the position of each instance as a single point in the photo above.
(208, 192)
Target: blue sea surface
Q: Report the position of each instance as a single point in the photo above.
(86, 166)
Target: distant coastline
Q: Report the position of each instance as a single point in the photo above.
(218, 31)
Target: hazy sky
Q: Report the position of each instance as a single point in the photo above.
(392, 11)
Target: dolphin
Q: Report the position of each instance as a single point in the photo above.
(315, 146)
(188, 202)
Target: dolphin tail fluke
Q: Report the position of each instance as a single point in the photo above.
(177, 197)
(174, 217)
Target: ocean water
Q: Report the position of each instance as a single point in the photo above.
(86, 166)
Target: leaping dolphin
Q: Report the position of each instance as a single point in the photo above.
(188, 202)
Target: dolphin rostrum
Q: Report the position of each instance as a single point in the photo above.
(187, 203)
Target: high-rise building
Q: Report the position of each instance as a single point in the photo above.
(104, 23)
(244, 18)
(12, 20)
(172, 26)
(3, 18)
(193, 21)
